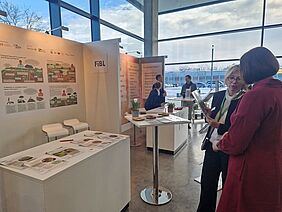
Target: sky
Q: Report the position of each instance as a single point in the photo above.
(224, 16)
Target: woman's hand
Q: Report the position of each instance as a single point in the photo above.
(214, 145)
(216, 141)
(212, 122)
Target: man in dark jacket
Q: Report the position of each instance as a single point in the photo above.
(154, 99)
(163, 93)
(188, 85)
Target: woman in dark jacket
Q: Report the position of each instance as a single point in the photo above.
(155, 99)
(215, 163)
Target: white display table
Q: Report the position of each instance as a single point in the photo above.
(89, 173)
(172, 137)
(156, 195)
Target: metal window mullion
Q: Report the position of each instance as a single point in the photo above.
(95, 22)
(263, 22)
(209, 61)
(55, 17)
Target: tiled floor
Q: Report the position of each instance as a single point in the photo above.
(177, 173)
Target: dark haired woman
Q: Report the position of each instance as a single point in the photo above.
(254, 140)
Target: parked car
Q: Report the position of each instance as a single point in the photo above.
(200, 85)
(213, 83)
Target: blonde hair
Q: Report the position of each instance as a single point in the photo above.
(231, 70)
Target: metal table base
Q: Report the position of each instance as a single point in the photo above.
(135, 143)
(156, 195)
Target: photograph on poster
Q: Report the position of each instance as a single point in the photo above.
(63, 95)
(16, 69)
(23, 98)
(60, 72)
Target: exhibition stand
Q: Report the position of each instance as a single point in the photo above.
(156, 195)
(172, 137)
(46, 79)
(82, 172)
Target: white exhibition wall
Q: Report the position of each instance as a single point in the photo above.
(102, 83)
(43, 80)
(46, 79)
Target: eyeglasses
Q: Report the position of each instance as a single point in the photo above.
(232, 79)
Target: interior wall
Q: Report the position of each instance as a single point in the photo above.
(22, 130)
(102, 85)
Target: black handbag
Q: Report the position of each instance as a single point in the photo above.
(207, 138)
(205, 143)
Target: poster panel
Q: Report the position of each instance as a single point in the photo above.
(149, 72)
(123, 87)
(129, 83)
(59, 71)
(24, 98)
(17, 69)
(62, 95)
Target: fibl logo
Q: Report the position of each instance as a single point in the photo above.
(99, 63)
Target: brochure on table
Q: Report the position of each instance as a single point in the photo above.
(44, 161)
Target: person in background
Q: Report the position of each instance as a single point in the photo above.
(160, 79)
(20, 65)
(254, 140)
(224, 102)
(188, 85)
(154, 99)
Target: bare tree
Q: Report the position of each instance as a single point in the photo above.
(21, 17)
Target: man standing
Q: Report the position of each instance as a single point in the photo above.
(160, 79)
(188, 85)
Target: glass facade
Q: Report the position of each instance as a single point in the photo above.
(227, 46)
(232, 27)
(128, 44)
(81, 4)
(79, 26)
(123, 14)
(218, 17)
(28, 14)
(273, 12)
(185, 36)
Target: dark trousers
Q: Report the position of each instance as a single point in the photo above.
(214, 163)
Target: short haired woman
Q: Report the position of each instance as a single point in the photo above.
(215, 163)
(254, 140)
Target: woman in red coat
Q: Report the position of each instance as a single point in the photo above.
(254, 141)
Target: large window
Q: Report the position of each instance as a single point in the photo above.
(128, 44)
(28, 14)
(200, 73)
(273, 12)
(81, 4)
(232, 27)
(79, 27)
(218, 17)
(122, 14)
(228, 46)
(273, 40)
